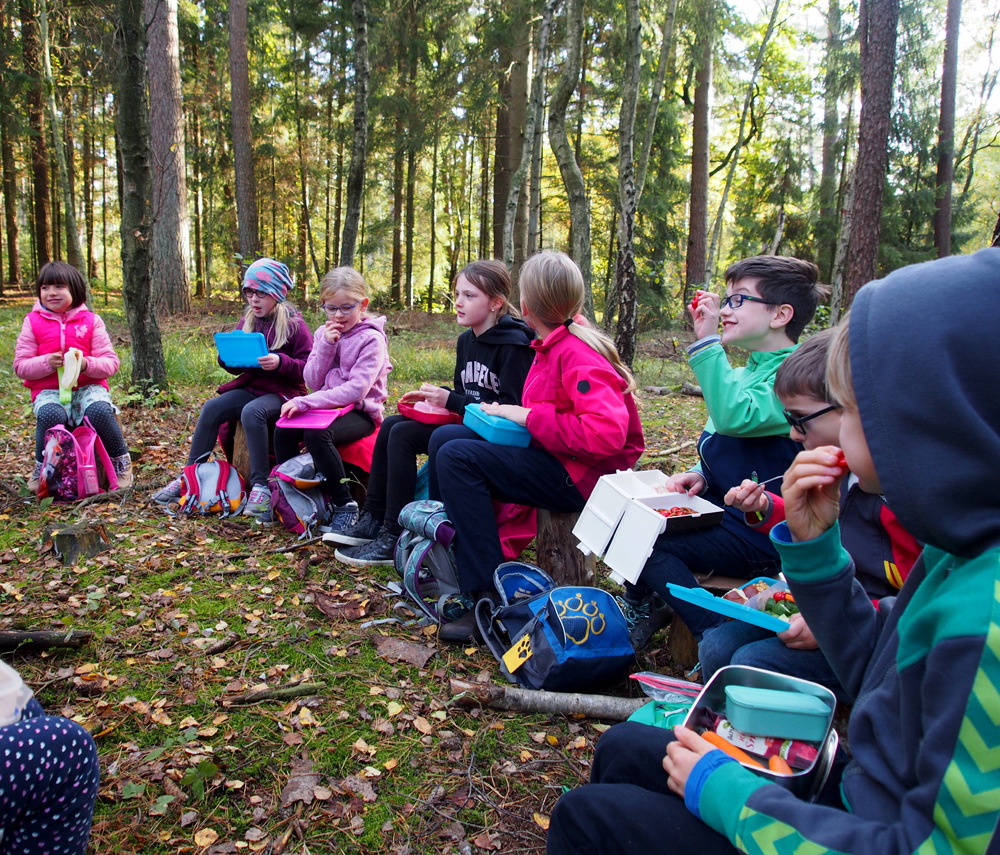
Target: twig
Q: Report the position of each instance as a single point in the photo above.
(10, 491)
(673, 450)
(43, 639)
(239, 556)
(222, 644)
(281, 693)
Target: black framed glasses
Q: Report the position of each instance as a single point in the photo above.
(340, 310)
(799, 422)
(734, 301)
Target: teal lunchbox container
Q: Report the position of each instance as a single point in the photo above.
(777, 713)
(496, 429)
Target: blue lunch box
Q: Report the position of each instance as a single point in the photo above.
(778, 713)
(496, 429)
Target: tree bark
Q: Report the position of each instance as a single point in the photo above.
(171, 250)
(7, 155)
(132, 126)
(356, 177)
(246, 181)
(697, 245)
(502, 167)
(877, 24)
(538, 701)
(518, 117)
(826, 228)
(434, 181)
(42, 208)
(946, 132)
(88, 183)
(572, 176)
(666, 51)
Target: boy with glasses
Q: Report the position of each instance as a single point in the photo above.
(883, 552)
(768, 302)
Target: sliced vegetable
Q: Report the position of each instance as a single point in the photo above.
(731, 750)
(778, 764)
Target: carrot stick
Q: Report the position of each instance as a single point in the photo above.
(779, 765)
(731, 750)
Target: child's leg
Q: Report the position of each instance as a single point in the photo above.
(721, 643)
(445, 433)
(222, 408)
(322, 445)
(47, 803)
(102, 417)
(408, 439)
(257, 418)
(286, 443)
(47, 416)
(471, 474)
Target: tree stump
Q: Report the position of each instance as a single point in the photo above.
(556, 551)
(82, 538)
(241, 454)
(681, 646)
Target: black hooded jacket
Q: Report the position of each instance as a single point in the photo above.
(493, 366)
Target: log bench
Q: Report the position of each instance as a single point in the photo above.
(556, 551)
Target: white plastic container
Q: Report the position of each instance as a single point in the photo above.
(14, 695)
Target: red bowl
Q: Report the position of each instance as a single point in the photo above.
(412, 412)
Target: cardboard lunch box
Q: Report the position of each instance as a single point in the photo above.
(621, 521)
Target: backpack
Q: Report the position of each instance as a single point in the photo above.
(424, 560)
(299, 497)
(69, 464)
(212, 487)
(557, 638)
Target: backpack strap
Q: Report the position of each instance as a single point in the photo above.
(414, 550)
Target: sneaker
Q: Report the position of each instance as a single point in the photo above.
(36, 476)
(258, 502)
(381, 550)
(264, 519)
(170, 493)
(343, 517)
(365, 530)
(644, 617)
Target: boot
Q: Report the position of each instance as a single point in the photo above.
(123, 469)
(36, 474)
(465, 629)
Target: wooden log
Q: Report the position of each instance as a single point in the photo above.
(496, 697)
(556, 550)
(681, 645)
(241, 454)
(280, 693)
(43, 639)
(86, 538)
(691, 389)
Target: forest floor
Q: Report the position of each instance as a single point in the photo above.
(377, 758)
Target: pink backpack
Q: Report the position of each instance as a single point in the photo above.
(69, 464)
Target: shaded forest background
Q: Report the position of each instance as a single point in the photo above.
(862, 137)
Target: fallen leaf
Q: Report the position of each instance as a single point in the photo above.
(339, 610)
(487, 841)
(306, 718)
(161, 718)
(359, 787)
(206, 837)
(541, 820)
(552, 740)
(453, 831)
(423, 725)
(390, 764)
(578, 743)
(89, 668)
(322, 794)
(188, 817)
(394, 708)
(301, 783)
(538, 737)
(292, 739)
(254, 834)
(404, 651)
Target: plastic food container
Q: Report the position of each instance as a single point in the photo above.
(240, 349)
(778, 713)
(496, 429)
(411, 412)
(14, 695)
(746, 612)
(805, 784)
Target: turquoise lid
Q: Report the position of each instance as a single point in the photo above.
(774, 700)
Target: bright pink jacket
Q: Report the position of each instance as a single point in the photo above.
(44, 332)
(580, 412)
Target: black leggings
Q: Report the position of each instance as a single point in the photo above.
(322, 445)
(102, 417)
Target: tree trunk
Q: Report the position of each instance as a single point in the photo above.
(132, 125)
(300, 139)
(10, 189)
(199, 264)
(697, 246)
(502, 168)
(666, 53)
(246, 180)
(518, 116)
(576, 190)
(625, 273)
(171, 250)
(535, 195)
(356, 178)
(434, 181)
(484, 191)
(946, 132)
(826, 228)
(88, 183)
(840, 257)
(42, 208)
(338, 211)
(877, 24)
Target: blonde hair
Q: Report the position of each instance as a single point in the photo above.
(345, 279)
(552, 289)
(283, 313)
(839, 378)
(490, 277)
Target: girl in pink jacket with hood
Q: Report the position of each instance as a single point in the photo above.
(578, 407)
(61, 320)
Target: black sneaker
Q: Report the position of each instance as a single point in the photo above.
(382, 550)
(645, 617)
(365, 530)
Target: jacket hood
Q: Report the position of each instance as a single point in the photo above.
(70, 313)
(925, 354)
(507, 330)
(375, 322)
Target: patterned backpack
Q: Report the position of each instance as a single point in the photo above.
(69, 464)
(299, 496)
(212, 487)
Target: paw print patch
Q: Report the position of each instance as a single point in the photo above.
(518, 654)
(583, 387)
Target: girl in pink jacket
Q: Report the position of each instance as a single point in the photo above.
(347, 367)
(578, 406)
(60, 320)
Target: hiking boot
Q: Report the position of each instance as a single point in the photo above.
(36, 475)
(170, 493)
(258, 502)
(365, 530)
(465, 629)
(343, 517)
(381, 550)
(644, 617)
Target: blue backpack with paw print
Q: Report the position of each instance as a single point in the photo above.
(559, 638)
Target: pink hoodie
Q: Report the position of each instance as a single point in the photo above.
(352, 371)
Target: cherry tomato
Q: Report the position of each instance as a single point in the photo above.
(694, 302)
(841, 460)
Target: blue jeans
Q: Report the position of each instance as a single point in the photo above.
(739, 643)
(677, 557)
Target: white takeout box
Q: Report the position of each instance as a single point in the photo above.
(620, 520)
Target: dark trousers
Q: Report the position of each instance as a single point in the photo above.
(101, 416)
(256, 412)
(393, 479)
(445, 433)
(470, 474)
(677, 557)
(322, 445)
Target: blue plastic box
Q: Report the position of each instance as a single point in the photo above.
(240, 349)
(747, 614)
(496, 429)
(777, 713)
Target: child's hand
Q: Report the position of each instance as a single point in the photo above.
(682, 756)
(811, 491)
(434, 395)
(748, 497)
(331, 332)
(512, 412)
(83, 365)
(269, 362)
(691, 483)
(798, 635)
(411, 397)
(289, 408)
(55, 360)
(705, 313)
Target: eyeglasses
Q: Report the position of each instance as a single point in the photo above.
(340, 310)
(734, 301)
(250, 293)
(799, 422)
